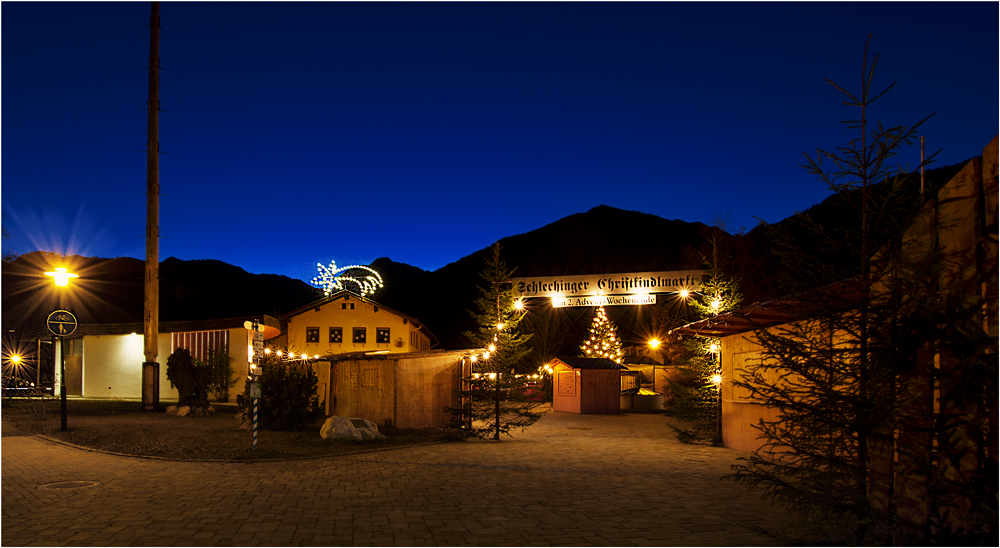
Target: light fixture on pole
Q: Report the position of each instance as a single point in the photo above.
(61, 323)
(61, 276)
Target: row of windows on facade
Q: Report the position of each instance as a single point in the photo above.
(360, 336)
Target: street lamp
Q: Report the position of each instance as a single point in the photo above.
(654, 344)
(61, 322)
(61, 276)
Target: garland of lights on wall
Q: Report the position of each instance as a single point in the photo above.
(332, 279)
(602, 343)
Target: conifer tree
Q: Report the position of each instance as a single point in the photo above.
(849, 384)
(603, 341)
(699, 402)
(493, 396)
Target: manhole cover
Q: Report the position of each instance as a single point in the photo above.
(60, 485)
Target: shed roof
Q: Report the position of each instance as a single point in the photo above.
(761, 315)
(271, 326)
(586, 363)
(382, 355)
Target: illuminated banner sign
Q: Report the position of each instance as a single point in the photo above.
(608, 284)
(602, 300)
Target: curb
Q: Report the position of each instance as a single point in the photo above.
(230, 461)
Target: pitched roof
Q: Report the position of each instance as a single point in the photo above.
(761, 315)
(588, 363)
(347, 293)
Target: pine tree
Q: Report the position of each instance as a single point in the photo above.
(493, 396)
(603, 341)
(698, 402)
(850, 383)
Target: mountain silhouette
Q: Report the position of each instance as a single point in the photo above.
(603, 240)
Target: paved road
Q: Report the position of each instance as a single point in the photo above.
(610, 480)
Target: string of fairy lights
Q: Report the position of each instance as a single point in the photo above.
(364, 280)
(603, 341)
(600, 344)
(332, 279)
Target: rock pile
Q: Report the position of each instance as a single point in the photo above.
(347, 428)
(185, 410)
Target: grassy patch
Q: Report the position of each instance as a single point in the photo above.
(121, 426)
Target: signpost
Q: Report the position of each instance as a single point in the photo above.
(256, 351)
(61, 323)
(258, 345)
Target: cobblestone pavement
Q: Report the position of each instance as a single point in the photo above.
(609, 480)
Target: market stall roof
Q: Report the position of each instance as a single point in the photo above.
(748, 318)
(586, 363)
(761, 315)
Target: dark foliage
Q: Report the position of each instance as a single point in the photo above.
(492, 393)
(189, 377)
(699, 400)
(288, 399)
(221, 373)
(858, 448)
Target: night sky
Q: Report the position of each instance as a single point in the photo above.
(301, 133)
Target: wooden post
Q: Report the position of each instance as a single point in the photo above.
(496, 435)
(151, 295)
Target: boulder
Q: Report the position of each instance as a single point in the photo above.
(346, 428)
(186, 410)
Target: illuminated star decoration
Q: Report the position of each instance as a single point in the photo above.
(331, 279)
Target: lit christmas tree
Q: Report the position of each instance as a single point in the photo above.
(493, 399)
(603, 341)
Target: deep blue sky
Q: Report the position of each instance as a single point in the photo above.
(300, 133)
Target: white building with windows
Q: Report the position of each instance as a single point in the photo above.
(105, 360)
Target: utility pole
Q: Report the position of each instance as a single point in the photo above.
(151, 294)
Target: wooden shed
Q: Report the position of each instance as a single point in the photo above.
(406, 390)
(586, 385)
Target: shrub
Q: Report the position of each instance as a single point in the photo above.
(189, 378)
(220, 373)
(288, 399)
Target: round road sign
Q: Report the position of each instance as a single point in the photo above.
(61, 322)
